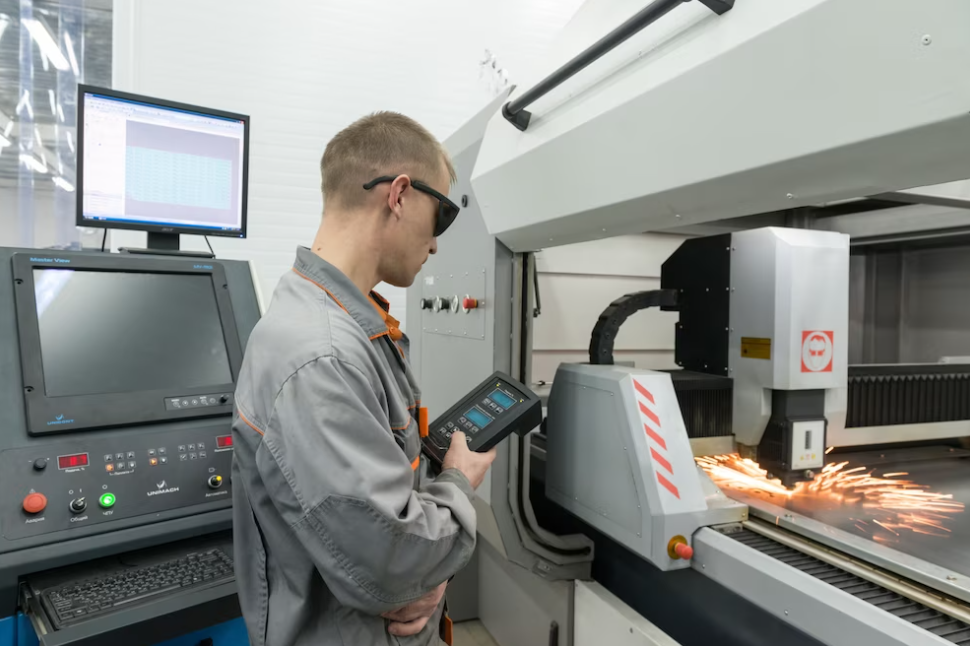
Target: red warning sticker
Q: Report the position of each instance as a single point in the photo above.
(818, 350)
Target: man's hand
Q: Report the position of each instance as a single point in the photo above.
(473, 465)
(412, 618)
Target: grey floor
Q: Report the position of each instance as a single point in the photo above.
(472, 633)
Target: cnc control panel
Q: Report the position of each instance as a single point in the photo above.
(69, 485)
(499, 407)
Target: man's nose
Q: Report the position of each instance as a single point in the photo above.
(434, 245)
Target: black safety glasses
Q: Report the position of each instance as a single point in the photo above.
(447, 210)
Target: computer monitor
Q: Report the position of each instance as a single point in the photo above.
(161, 167)
(109, 340)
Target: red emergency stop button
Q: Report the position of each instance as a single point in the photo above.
(35, 503)
(678, 548)
(469, 303)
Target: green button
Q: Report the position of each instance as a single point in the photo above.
(107, 500)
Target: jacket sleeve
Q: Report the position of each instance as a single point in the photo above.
(339, 479)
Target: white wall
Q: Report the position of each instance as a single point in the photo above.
(304, 69)
(577, 282)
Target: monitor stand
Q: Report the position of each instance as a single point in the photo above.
(166, 244)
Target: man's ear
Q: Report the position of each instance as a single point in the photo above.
(400, 185)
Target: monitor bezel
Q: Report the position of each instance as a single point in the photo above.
(109, 410)
(83, 91)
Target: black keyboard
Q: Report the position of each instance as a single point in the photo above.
(75, 602)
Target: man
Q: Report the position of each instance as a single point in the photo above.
(335, 542)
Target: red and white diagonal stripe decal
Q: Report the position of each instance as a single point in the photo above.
(654, 431)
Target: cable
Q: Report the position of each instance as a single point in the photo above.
(104, 237)
(537, 310)
(210, 246)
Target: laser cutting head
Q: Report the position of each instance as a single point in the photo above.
(769, 309)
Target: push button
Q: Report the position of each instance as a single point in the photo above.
(107, 500)
(35, 503)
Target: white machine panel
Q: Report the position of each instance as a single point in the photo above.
(699, 117)
(602, 619)
(789, 287)
(618, 457)
(808, 446)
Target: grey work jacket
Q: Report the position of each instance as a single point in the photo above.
(330, 526)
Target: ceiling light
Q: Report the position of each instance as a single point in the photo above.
(32, 163)
(4, 142)
(69, 46)
(50, 95)
(70, 141)
(40, 141)
(60, 113)
(25, 103)
(47, 44)
(63, 183)
(4, 23)
(8, 129)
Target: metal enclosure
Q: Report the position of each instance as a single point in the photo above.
(618, 457)
(141, 518)
(788, 287)
(695, 119)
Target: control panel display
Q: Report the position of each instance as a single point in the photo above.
(501, 399)
(116, 320)
(71, 461)
(499, 407)
(478, 418)
(107, 341)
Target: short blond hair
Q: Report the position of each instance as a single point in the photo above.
(383, 143)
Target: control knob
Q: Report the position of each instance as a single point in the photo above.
(441, 303)
(215, 482)
(35, 503)
(426, 303)
(40, 464)
(224, 399)
(78, 505)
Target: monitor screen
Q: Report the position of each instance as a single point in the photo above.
(120, 332)
(151, 165)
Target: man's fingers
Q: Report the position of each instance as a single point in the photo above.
(406, 629)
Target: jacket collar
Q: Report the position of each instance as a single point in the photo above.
(370, 312)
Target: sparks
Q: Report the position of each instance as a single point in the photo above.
(891, 504)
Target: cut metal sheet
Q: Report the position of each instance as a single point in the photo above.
(944, 545)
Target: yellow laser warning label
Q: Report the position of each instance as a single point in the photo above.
(755, 348)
